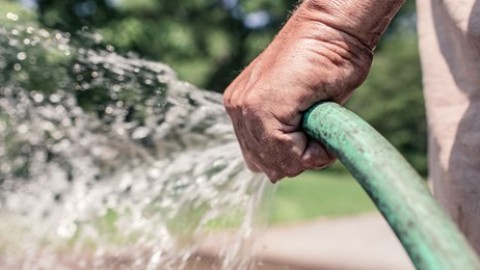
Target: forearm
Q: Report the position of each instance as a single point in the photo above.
(366, 20)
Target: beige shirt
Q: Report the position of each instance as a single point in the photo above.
(449, 33)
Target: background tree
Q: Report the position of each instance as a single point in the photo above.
(207, 42)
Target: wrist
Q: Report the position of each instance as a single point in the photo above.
(365, 20)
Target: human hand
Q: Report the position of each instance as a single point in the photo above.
(309, 61)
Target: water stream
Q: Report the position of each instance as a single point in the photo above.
(110, 162)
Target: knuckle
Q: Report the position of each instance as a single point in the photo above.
(227, 101)
(252, 100)
(249, 107)
(284, 141)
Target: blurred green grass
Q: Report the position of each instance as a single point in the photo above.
(316, 194)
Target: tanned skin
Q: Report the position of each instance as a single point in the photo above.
(323, 52)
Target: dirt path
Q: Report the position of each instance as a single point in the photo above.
(363, 242)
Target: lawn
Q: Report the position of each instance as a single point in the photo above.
(318, 194)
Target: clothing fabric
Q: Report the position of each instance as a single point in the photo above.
(449, 35)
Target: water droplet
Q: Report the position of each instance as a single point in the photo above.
(79, 157)
(108, 110)
(13, 42)
(35, 41)
(67, 230)
(37, 97)
(44, 33)
(17, 67)
(120, 131)
(5, 168)
(140, 133)
(12, 16)
(22, 129)
(85, 85)
(55, 98)
(21, 56)
(116, 88)
(154, 173)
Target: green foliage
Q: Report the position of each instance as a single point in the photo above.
(45, 62)
(42, 68)
(16, 65)
(207, 42)
(67, 15)
(314, 194)
(20, 14)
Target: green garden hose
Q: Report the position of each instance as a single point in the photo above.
(430, 238)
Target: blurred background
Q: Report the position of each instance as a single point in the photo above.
(208, 42)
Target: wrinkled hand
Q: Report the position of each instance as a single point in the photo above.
(309, 61)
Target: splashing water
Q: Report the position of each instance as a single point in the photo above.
(110, 162)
